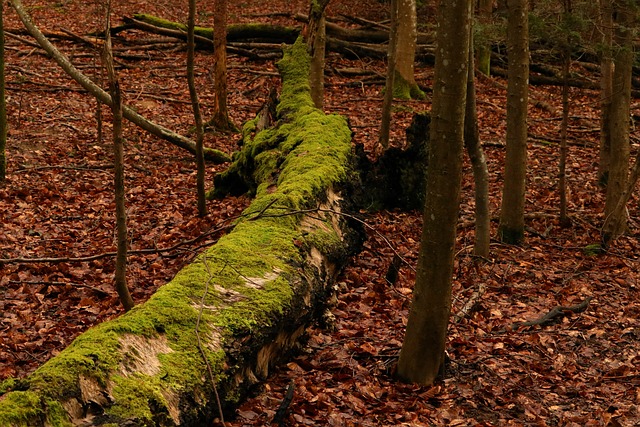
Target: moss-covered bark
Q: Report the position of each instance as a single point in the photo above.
(249, 296)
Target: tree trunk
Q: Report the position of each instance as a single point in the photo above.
(102, 96)
(606, 89)
(220, 120)
(511, 229)
(197, 116)
(385, 121)
(478, 161)
(316, 44)
(404, 84)
(3, 104)
(562, 166)
(485, 11)
(223, 322)
(422, 353)
(120, 274)
(619, 116)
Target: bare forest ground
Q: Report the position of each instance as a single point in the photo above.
(57, 202)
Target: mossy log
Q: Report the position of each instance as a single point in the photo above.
(228, 316)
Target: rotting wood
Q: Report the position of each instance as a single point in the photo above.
(267, 280)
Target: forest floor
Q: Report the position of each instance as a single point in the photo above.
(583, 370)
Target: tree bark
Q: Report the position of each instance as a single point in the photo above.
(619, 117)
(120, 273)
(197, 116)
(422, 353)
(316, 44)
(485, 9)
(511, 229)
(478, 161)
(606, 89)
(220, 119)
(405, 86)
(230, 315)
(385, 121)
(102, 96)
(3, 103)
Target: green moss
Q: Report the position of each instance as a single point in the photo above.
(402, 89)
(19, 408)
(250, 276)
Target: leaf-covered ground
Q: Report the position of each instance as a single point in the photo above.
(57, 203)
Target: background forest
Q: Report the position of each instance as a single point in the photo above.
(506, 363)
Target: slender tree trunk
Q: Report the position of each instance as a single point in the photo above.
(515, 172)
(404, 84)
(562, 167)
(3, 103)
(200, 175)
(606, 89)
(316, 44)
(385, 122)
(118, 174)
(220, 118)
(485, 11)
(478, 161)
(422, 353)
(619, 117)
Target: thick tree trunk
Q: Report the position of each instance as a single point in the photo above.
(102, 96)
(404, 85)
(515, 170)
(619, 118)
(316, 45)
(422, 353)
(483, 49)
(224, 320)
(220, 119)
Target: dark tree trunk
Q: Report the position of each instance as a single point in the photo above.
(193, 94)
(120, 274)
(511, 228)
(422, 353)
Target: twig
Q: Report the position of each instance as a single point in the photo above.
(200, 346)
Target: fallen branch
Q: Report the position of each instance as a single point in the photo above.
(102, 96)
(555, 313)
(470, 304)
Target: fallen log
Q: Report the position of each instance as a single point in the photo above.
(222, 323)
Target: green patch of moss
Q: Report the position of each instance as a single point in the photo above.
(249, 276)
(402, 89)
(19, 408)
